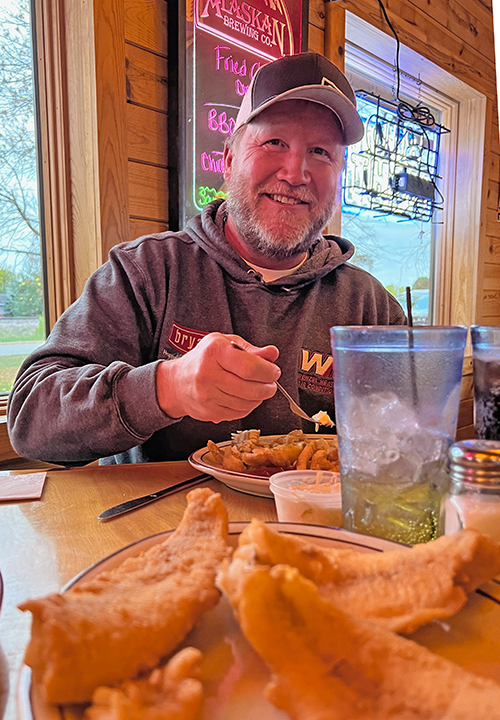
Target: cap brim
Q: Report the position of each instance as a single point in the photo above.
(351, 123)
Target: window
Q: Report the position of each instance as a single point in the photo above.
(22, 325)
(438, 259)
(392, 226)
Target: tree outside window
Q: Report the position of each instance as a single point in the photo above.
(21, 285)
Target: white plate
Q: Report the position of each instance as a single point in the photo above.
(245, 482)
(235, 690)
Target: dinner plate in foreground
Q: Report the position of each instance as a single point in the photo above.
(235, 676)
(250, 483)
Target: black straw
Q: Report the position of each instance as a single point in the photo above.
(408, 306)
(413, 371)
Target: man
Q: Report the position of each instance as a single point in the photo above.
(141, 367)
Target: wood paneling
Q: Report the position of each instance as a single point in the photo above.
(466, 416)
(146, 78)
(465, 425)
(492, 222)
(145, 227)
(146, 25)
(423, 33)
(147, 136)
(316, 39)
(148, 192)
(317, 14)
(491, 276)
(468, 22)
(109, 24)
(465, 432)
(334, 42)
(493, 190)
(491, 305)
(494, 165)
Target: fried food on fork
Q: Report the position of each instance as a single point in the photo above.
(399, 589)
(124, 621)
(172, 692)
(327, 665)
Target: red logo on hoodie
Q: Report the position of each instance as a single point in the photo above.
(184, 339)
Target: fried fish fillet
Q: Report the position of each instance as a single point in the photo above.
(327, 665)
(124, 621)
(400, 589)
(173, 692)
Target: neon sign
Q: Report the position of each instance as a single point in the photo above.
(394, 168)
(262, 27)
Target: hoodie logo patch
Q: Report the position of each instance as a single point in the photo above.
(184, 339)
(316, 372)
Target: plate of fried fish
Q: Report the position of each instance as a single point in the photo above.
(248, 459)
(269, 621)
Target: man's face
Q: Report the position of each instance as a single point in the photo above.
(283, 177)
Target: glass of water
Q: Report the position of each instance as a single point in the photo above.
(486, 368)
(397, 393)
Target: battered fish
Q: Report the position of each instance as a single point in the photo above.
(400, 589)
(173, 692)
(124, 621)
(327, 665)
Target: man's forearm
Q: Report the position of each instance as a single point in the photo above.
(77, 414)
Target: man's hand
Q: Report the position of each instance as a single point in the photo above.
(215, 381)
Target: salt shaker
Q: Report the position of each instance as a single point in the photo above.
(474, 500)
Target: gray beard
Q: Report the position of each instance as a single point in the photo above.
(273, 244)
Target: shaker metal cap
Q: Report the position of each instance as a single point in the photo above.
(476, 462)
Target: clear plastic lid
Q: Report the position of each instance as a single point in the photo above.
(318, 486)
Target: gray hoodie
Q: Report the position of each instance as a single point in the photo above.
(89, 391)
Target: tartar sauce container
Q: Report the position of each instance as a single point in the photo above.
(475, 487)
(308, 496)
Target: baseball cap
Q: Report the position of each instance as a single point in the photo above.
(306, 76)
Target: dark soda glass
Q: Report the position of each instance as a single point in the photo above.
(486, 366)
(487, 398)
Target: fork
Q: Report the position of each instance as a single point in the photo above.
(294, 407)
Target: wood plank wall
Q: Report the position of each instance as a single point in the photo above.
(455, 34)
(146, 53)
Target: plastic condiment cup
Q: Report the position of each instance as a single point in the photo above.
(308, 496)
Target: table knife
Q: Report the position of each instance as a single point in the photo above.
(137, 502)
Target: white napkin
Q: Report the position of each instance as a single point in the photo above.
(18, 486)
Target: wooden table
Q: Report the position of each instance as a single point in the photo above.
(45, 543)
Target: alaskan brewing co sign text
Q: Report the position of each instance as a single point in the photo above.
(264, 27)
(230, 42)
